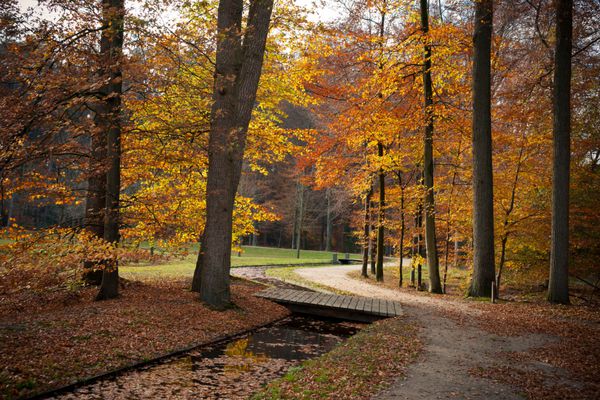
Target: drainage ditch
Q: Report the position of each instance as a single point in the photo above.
(230, 370)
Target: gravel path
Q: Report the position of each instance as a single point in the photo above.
(451, 349)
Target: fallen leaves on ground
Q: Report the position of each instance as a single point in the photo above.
(357, 369)
(567, 366)
(49, 340)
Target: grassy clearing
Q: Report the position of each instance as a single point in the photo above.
(249, 256)
(357, 369)
(289, 275)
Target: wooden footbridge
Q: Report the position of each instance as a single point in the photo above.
(354, 308)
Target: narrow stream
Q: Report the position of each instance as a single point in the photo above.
(233, 370)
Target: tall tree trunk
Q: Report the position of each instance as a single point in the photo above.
(483, 202)
(300, 220)
(418, 248)
(507, 214)
(237, 72)
(380, 218)
(372, 243)
(113, 14)
(402, 230)
(293, 241)
(367, 232)
(95, 202)
(449, 219)
(329, 223)
(430, 239)
(558, 287)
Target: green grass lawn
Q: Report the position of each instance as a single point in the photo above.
(250, 256)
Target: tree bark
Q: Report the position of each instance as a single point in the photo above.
(430, 238)
(380, 218)
(300, 219)
(113, 14)
(372, 243)
(237, 73)
(367, 232)
(329, 222)
(95, 202)
(483, 204)
(418, 248)
(558, 286)
(402, 229)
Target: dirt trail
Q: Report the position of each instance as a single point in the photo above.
(451, 349)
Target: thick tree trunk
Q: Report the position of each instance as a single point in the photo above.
(380, 218)
(558, 287)
(113, 12)
(430, 238)
(237, 73)
(95, 202)
(483, 205)
(367, 232)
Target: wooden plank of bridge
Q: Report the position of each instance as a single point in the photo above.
(389, 308)
(349, 307)
(352, 304)
(392, 308)
(330, 300)
(307, 296)
(312, 299)
(346, 302)
(297, 296)
(375, 307)
(338, 301)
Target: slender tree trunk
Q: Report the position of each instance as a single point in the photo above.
(380, 218)
(503, 242)
(558, 287)
(300, 220)
(279, 237)
(329, 229)
(372, 243)
(418, 250)
(3, 210)
(449, 219)
(456, 248)
(483, 203)
(402, 229)
(237, 72)
(507, 214)
(113, 14)
(430, 239)
(367, 230)
(293, 241)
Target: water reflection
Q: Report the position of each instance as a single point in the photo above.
(229, 371)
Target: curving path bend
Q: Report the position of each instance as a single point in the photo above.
(451, 349)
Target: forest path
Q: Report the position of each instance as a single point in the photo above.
(452, 348)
